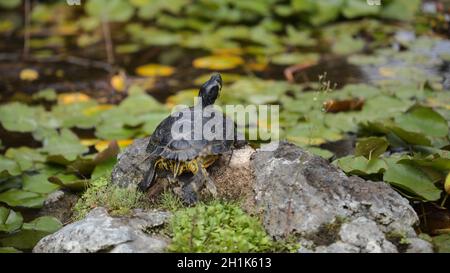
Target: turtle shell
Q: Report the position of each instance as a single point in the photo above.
(175, 137)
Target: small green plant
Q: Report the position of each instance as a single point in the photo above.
(118, 201)
(169, 201)
(217, 227)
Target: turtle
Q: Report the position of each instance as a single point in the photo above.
(190, 149)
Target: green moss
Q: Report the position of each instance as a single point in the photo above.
(217, 227)
(169, 201)
(118, 201)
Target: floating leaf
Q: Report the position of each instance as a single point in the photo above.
(21, 198)
(325, 11)
(69, 181)
(155, 70)
(218, 62)
(104, 168)
(320, 152)
(9, 250)
(312, 134)
(38, 183)
(400, 9)
(412, 180)
(25, 122)
(8, 167)
(358, 8)
(118, 82)
(442, 243)
(359, 165)
(371, 147)
(82, 115)
(32, 232)
(10, 4)
(423, 120)
(25, 157)
(10, 220)
(48, 94)
(65, 144)
(69, 98)
(28, 74)
(110, 10)
(410, 137)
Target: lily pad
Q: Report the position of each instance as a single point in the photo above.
(8, 167)
(25, 122)
(32, 232)
(38, 183)
(154, 70)
(69, 181)
(423, 120)
(371, 147)
(48, 94)
(412, 180)
(359, 165)
(21, 198)
(110, 10)
(65, 144)
(10, 220)
(25, 157)
(218, 62)
(9, 250)
(442, 243)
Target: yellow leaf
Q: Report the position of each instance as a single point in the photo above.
(153, 70)
(226, 78)
(69, 98)
(257, 66)
(89, 142)
(95, 109)
(101, 145)
(28, 74)
(124, 142)
(218, 62)
(228, 51)
(118, 82)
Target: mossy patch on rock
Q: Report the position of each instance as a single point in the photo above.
(117, 200)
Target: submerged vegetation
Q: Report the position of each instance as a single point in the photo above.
(366, 87)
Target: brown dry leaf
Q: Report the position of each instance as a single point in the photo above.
(335, 106)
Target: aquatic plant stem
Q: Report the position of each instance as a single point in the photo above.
(26, 42)
(445, 200)
(108, 40)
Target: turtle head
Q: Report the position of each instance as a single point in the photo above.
(210, 90)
